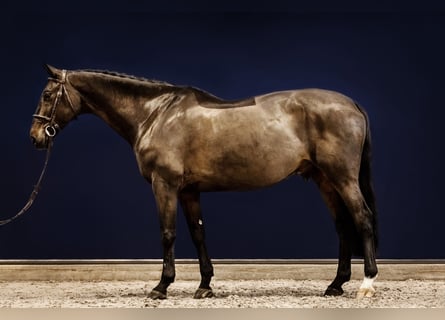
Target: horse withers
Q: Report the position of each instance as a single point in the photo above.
(187, 141)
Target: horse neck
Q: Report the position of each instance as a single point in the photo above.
(118, 101)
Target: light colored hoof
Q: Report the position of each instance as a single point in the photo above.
(366, 289)
(365, 293)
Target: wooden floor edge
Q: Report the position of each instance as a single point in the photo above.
(215, 261)
(236, 270)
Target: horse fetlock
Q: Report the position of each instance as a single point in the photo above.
(167, 278)
(343, 277)
(207, 271)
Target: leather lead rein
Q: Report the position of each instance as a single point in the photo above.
(34, 192)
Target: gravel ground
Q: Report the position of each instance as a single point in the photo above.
(229, 294)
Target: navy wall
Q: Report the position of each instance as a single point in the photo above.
(94, 203)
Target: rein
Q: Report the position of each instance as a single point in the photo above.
(34, 192)
(51, 130)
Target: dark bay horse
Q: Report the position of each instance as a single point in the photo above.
(187, 141)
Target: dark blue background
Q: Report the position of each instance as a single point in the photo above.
(94, 203)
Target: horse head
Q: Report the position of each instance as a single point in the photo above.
(59, 103)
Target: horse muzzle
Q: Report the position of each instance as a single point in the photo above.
(41, 139)
(41, 144)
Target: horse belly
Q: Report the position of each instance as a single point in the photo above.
(248, 161)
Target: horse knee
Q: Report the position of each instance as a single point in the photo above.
(168, 237)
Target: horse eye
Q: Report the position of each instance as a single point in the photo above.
(46, 96)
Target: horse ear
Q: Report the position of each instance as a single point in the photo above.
(52, 72)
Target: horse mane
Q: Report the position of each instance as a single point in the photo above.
(127, 76)
(205, 98)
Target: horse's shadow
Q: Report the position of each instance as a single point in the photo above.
(222, 292)
(257, 293)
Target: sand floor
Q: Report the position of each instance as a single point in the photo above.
(228, 294)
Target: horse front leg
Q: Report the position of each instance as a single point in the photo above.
(166, 201)
(192, 210)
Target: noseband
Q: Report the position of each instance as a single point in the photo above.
(51, 128)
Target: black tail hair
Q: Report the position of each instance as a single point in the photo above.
(365, 177)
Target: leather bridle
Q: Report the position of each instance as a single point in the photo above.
(52, 127)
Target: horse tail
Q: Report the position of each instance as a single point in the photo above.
(365, 177)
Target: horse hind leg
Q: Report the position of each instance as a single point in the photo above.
(350, 192)
(345, 230)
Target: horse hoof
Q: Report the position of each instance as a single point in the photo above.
(365, 293)
(366, 289)
(157, 295)
(331, 291)
(202, 293)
